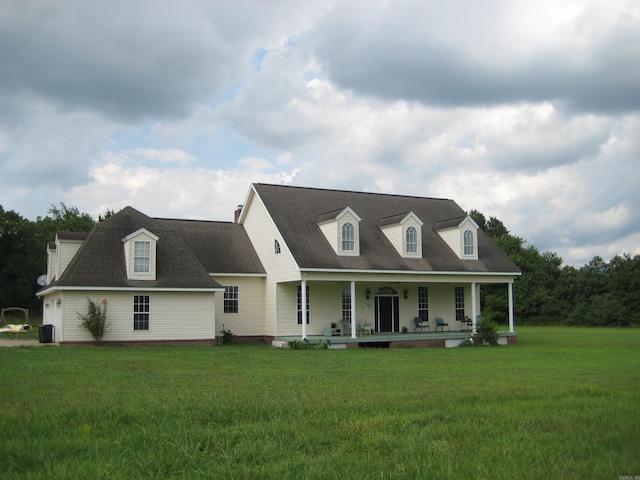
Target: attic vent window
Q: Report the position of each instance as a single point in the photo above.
(276, 247)
(141, 257)
(348, 237)
(468, 242)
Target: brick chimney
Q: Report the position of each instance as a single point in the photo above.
(236, 214)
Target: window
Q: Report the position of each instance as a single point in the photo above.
(423, 303)
(141, 312)
(230, 299)
(348, 237)
(346, 301)
(276, 247)
(411, 236)
(300, 305)
(459, 300)
(141, 256)
(468, 242)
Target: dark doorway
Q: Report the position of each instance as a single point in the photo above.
(387, 314)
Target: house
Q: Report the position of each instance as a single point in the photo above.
(371, 259)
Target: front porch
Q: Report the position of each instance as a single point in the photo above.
(395, 340)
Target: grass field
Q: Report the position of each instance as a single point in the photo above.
(564, 403)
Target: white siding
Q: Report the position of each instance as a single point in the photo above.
(66, 250)
(52, 262)
(173, 316)
(453, 238)
(394, 234)
(280, 267)
(330, 231)
(250, 317)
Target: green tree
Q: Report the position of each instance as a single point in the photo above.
(23, 250)
(20, 265)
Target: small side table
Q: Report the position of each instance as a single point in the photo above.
(332, 332)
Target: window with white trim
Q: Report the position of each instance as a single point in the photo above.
(348, 237)
(423, 303)
(468, 242)
(231, 299)
(459, 303)
(300, 304)
(411, 240)
(276, 247)
(346, 301)
(141, 312)
(141, 256)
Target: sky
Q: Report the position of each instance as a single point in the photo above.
(525, 111)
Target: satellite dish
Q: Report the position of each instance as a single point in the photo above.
(42, 280)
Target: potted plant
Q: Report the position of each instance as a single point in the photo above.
(334, 324)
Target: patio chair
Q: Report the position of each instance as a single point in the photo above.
(346, 326)
(465, 324)
(366, 327)
(15, 329)
(441, 323)
(420, 324)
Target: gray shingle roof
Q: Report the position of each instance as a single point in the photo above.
(295, 211)
(187, 251)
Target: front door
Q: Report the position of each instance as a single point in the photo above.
(387, 316)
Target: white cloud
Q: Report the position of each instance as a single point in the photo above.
(524, 111)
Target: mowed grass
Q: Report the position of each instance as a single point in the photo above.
(563, 403)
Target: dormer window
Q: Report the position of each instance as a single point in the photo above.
(468, 242)
(411, 240)
(461, 234)
(404, 231)
(341, 228)
(348, 237)
(140, 255)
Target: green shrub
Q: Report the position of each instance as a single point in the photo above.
(95, 320)
(305, 345)
(227, 336)
(488, 331)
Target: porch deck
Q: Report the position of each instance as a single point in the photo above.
(394, 340)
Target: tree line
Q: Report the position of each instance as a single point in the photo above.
(23, 251)
(547, 293)
(598, 293)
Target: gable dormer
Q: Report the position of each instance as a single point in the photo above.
(342, 229)
(62, 251)
(404, 231)
(461, 234)
(140, 255)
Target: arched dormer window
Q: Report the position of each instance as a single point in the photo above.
(468, 242)
(348, 237)
(411, 237)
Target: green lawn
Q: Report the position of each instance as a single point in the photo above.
(563, 403)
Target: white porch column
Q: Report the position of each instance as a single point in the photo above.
(303, 306)
(353, 309)
(510, 289)
(474, 310)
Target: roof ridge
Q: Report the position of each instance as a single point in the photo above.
(352, 191)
